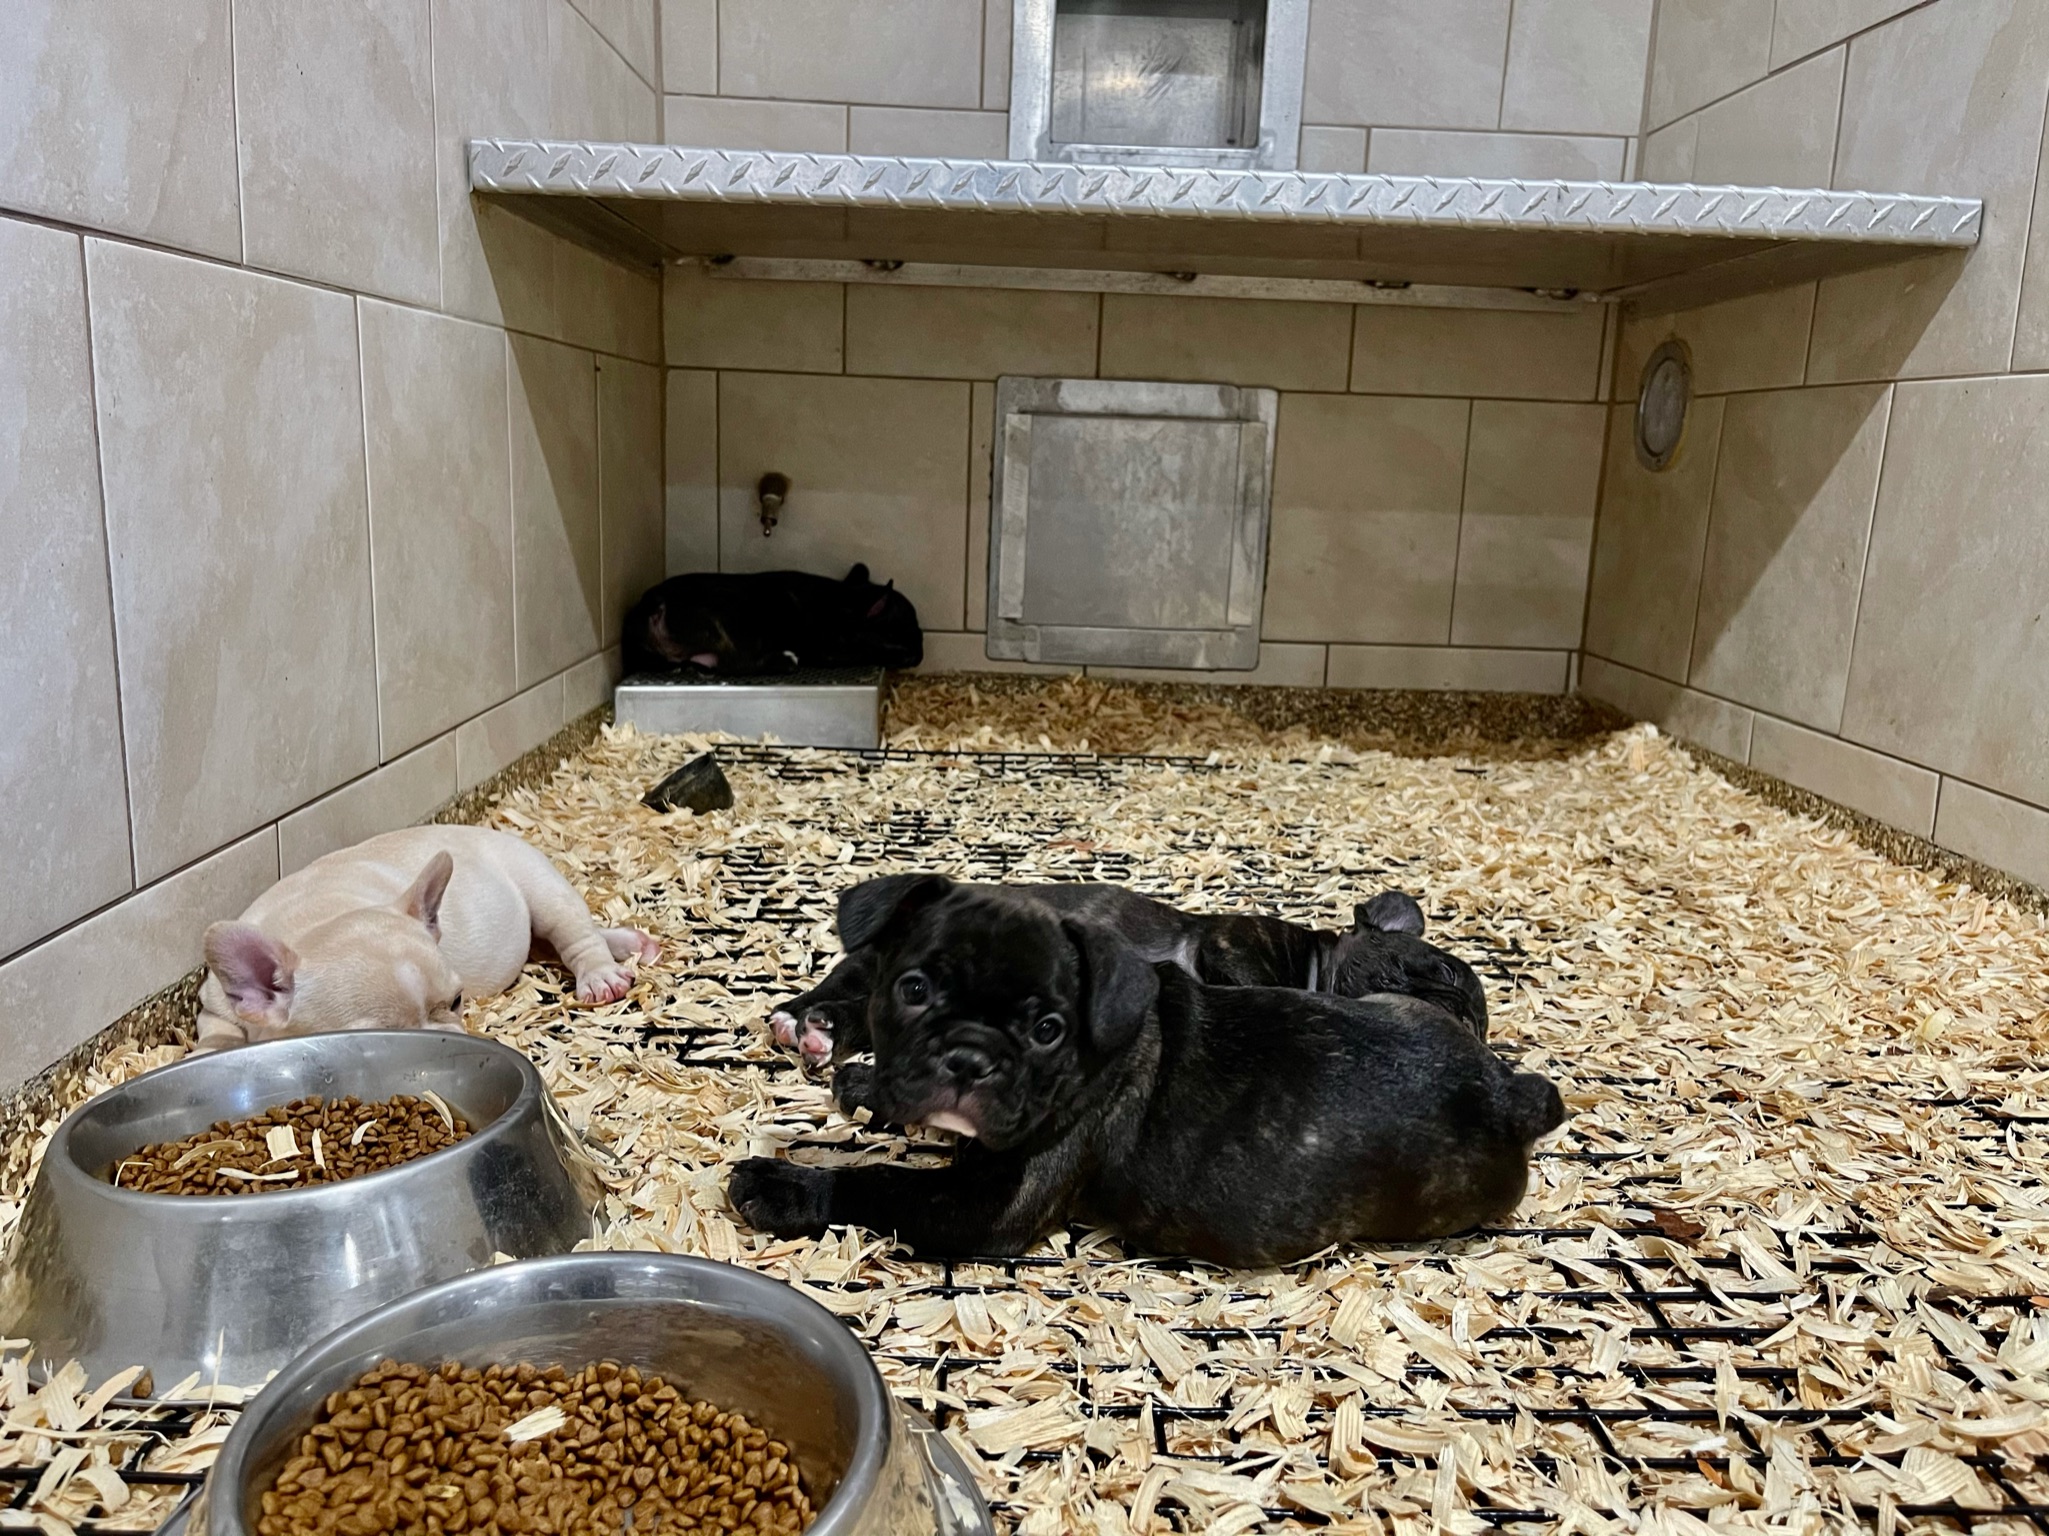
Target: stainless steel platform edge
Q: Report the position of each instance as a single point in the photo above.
(741, 176)
(796, 714)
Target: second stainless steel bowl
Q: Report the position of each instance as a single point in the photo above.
(741, 1340)
(232, 1287)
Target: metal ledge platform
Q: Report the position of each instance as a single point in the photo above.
(1662, 246)
(820, 708)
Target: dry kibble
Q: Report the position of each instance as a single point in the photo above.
(515, 1449)
(332, 1140)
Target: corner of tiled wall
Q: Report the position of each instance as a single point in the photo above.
(330, 480)
(1837, 581)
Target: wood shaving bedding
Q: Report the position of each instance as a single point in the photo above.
(1787, 1266)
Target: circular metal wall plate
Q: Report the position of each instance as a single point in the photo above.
(1663, 395)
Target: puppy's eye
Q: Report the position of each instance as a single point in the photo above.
(913, 990)
(1049, 1030)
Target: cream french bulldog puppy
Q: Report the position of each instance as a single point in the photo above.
(396, 932)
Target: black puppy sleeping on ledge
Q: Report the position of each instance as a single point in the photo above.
(1244, 1125)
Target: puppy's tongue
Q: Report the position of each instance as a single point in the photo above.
(950, 1120)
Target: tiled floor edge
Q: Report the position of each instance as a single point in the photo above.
(1890, 842)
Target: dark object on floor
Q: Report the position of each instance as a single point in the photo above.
(1248, 1126)
(1382, 952)
(755, 624)
(698, 786)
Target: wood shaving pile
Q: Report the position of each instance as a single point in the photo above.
(1786, 1267)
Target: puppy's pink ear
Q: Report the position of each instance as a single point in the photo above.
(423, 901)
(255, 971)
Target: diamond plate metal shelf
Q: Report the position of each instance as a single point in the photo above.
(1662, 246)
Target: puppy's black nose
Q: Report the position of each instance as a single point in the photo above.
(966, 1065)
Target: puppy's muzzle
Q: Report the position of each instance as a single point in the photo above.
(965, 1067)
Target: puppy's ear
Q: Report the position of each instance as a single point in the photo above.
(1118, 986)
(858, 576)
(1390, 912)
(254, 970)
(868, 908)
(423, 901)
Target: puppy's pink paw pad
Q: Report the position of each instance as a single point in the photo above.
(815, 1042)
(650, 948)
(784, 1027)
(604, 986)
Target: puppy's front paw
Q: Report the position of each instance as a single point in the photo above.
(853, 1087)
(782, 1198)
(783, 1025)
(604, 984)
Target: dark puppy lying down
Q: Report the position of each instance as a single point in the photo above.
(1244, 1125)
(1383, 952)
(742, 624)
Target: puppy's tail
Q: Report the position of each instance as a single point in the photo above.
(1532, 1106)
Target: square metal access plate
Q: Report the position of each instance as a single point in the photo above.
(1128, 522)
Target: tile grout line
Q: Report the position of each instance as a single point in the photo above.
(369, 524)
(235, 108)
(1864, 566)
(92, 385)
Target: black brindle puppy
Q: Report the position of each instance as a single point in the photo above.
(1383, 952)
(1244, 1125)
(748, 624)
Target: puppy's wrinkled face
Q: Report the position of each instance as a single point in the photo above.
(373, 969)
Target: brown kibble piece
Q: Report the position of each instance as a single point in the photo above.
(423, 1451)
(233, 1157)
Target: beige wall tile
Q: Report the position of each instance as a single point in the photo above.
(1785, 548)
(878, 473)
(1533, 473)
(630, 490)
(970, 333)
(922, 131)
(231, 433)
(691, 469)
(1414, 63)
(1456, 668)
(334, 105)
(996, 54)
(2031, 336)
(1757, 342)
(491, 79)
(981, 469)
(122, 117)
(1807, 26)
(1780, 132)
(593, 93)
(1648, 545)
(1703, 50)
(629, 26)
(66, 990)
(434, 397)
(1364, 540)
(1948, 96)
(1279, 343)
(690, 47)
(607, 305)
(1280, 666)
(1332, 149)
(1952, 659)
(1896, 793)
(63, 798)
(499, 737)
(905, 53)
(952, 651)
(726, 123)
(1439, 152)
(1683, 712)
(726, 322)
(2007, 834)
(400, 794)
(1668, 153)
(1577, 66)
(1504, 353)
(588, 685)
(557, 548)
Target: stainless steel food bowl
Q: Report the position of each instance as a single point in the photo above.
(234, 1286)
(735, 1338)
